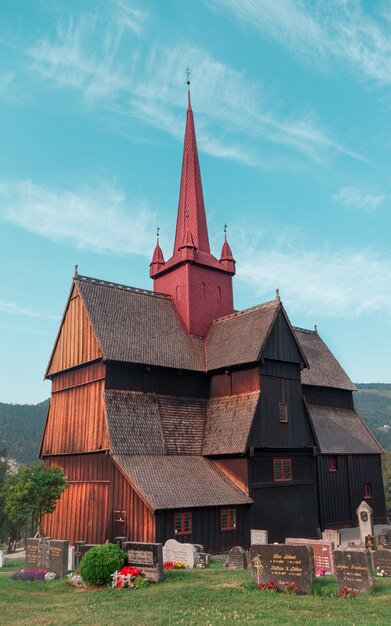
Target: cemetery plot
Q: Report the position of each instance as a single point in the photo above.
(49, 554)
(237, 558)
(323, 552)
(282, 565)
(382, 561)
(148, 557)
(353, 569)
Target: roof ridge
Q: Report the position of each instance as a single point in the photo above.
(305, 330)
(257, 307)
(106, 283)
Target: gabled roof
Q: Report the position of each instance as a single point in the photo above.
(324, 371)
(138, 326)
(228, 423)
(341, 431)
(177, 482)
(239, 338)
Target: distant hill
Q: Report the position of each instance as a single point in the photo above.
(21, 425)
(373, 403)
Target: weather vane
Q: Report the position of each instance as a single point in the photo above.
(225, 228)
(157, 232)
(188, 75)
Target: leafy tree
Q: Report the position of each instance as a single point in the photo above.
(32, 492)
(386, 465)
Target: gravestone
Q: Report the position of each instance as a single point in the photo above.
(259, 537)
(184, 552)
(148, 557)
(203, 561)
(353, 569)
(384, 537)
(382, 561)
(71, 558)
(2, 558)
(49, 554)
(332, 535)
(283, 564)
(370, 542)
(78, 553)
(120, 541)
(365, 520)
(237, 558)
(323, 552)
(199, 547)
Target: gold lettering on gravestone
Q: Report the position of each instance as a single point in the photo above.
(141, 557)
(257, 564)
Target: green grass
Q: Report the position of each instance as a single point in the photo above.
(215, 596)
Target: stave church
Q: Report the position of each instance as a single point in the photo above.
(174, 415)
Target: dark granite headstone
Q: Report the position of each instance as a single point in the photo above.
(382, 561)
(384, 537)
(120, 541)
(353, 569)
(49, 554)
(203, 560)
(148, 557)
(237, 558)
(323, 552)
(78, 553)
(283, 564)
(32, 553)
(58, 557)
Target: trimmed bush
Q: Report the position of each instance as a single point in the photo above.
(98, 564)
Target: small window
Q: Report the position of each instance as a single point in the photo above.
(367, 491)
(219, 294)
(283, 412)
(228, 519)
(333, 466)
(183, 523)
(282, 469)
(203, 291)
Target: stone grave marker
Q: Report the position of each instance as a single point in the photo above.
(120, 541)
(173, 550)
(259, 537)
(78, 553)
(203, 561)
(323, 552)
(2, 558)
(71, 558)
(283, 564)
(353, 569)
(58, 557)
(199, 547)
(332, 535)
(370, 542)
(382, 561)
(47, 553)
(365, 520)
(384, 537)
(148, 557)
(237, 558)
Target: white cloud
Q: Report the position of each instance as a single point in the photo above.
(97, 219)
(16, 309)
(114, 72)
(19, 329)
(359, 199)
(338, 283)
(339, 31)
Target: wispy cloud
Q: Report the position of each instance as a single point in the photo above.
(20, 329)
(98, 219)
(113, 71)
(16, 309)
(359, 199)
(350, 32)
(343, 282)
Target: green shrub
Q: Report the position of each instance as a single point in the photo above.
(98, 564)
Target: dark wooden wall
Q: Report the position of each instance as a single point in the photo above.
(328, 397)
(287, 508)
(206, 529)
(282, 345)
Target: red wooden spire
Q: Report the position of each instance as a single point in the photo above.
(157, 258)
(191, 200)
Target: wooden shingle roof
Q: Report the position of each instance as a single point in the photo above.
(341, 431)
(324, 371)
(138, 326)
(228, 423)
(177, 482)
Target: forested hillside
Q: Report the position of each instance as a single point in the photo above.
(21, 425)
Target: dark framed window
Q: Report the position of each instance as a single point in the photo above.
(282, 469)
(283, 412)
(183, 523)
(333, 465)
(367, 490)
(228, 519)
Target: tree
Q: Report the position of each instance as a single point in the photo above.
(386, 466)
(32, 492)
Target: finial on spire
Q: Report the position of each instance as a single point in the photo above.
(188, 88)
(225, 232)
(157, 233)
(278, 295)
(75, 273)
(188, 76)
(316, 328)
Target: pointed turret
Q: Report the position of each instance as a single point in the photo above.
(188, 247)
(226, 257)
(191, 200)
(157, 259)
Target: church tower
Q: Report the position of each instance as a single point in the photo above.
(199, 284)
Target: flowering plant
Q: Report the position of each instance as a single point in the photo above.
(174, 565)
(321, 572)
(50, 576)
(268, 587)
(292, 588)
(346, 593)
(30, 574)
(75, 580)
(380, 572)
(128, 578)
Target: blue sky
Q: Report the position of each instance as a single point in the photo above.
(292, 104)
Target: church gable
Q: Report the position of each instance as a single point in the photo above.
(282, 344)
(76, 341)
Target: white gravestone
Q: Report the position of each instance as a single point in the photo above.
(259, 537)
(2, 558)
(365, 521)
(71, 558)
(185, 552)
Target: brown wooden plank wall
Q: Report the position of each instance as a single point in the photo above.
(140, 522)
(236, 470)
(76, 421)
(79, 376)
(77, 341)
(235, 382)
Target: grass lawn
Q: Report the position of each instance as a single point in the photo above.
(214, 596)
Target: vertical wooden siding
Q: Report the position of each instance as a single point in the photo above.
(77, 342)
(76, 420)
(79, 376)
(140, 522)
